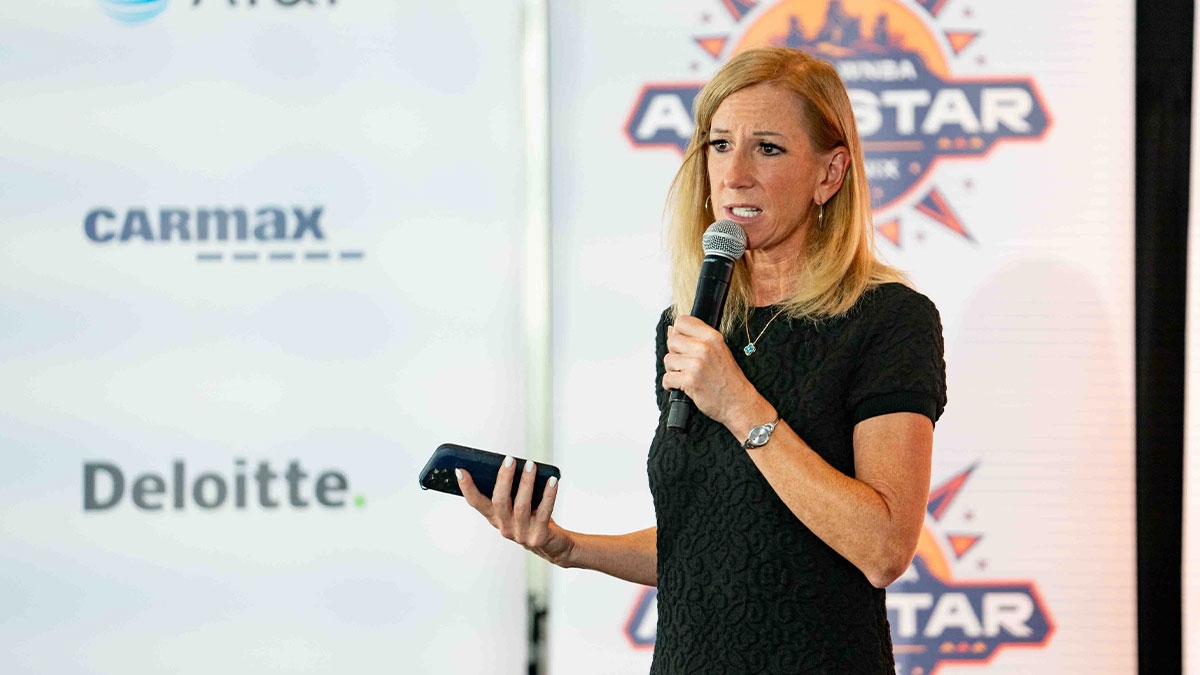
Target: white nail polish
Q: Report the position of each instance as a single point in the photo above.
(528, 465)
(508, 461)
(552, 482)
(458, 473)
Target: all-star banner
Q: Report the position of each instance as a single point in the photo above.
(257, 260)
(998, 144)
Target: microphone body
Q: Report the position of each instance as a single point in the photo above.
(724, 244)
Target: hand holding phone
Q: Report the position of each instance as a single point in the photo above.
(534, 530)
(483, 466)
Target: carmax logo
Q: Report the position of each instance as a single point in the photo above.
(207, 227)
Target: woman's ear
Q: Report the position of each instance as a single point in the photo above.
(836, 164)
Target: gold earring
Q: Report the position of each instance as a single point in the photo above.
(820, 215)
(706, 203)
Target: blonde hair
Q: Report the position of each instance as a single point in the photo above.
(840, 263)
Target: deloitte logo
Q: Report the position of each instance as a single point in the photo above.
(133, 11)
(104, 488)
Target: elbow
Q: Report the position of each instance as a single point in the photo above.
(888, 565)
(884, 576)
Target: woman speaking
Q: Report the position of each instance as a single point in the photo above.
(799, 493)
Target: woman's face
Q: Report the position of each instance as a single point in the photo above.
(762, 170)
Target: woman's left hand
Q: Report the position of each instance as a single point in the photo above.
(699, 362)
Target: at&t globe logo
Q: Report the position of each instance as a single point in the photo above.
(133, 11)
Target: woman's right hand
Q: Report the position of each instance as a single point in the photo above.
(516, 520)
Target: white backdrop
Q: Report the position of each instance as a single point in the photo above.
(1021, 233)
(390, 324)
(351, 342)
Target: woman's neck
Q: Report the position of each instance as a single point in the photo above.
(772, 276)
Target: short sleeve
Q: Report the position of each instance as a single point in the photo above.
(901, 367)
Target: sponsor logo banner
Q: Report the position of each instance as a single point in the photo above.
(264, 487)
(140, 11)
(268, 233)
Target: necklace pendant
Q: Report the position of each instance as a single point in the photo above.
(749, 349)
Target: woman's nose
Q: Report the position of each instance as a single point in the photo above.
(739, 173)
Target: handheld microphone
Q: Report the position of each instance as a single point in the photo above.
(724, 243)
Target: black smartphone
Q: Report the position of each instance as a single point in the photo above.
(483, 466)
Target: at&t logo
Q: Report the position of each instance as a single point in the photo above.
(141, 11)
(133, 11)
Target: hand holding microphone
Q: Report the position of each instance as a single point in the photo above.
(724, 244)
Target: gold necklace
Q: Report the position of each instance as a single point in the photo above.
(750, 348)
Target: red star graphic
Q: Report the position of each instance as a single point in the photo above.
(969, 184)
(695, 66)
(969, 515)
(967, 12)
(982, 564)
(706, 17)
(981, 59)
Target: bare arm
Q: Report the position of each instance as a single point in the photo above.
(632, 557)
(872, 520)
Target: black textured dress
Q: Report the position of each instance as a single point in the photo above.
(743, 585)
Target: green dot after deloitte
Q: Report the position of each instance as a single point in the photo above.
(104, 488)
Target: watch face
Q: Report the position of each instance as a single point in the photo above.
(759, 435)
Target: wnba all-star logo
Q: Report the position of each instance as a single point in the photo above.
(938, 619)
(935, 618)
(894, 57)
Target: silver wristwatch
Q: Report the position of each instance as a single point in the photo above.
(760, 434)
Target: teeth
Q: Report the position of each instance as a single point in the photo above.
(745, 211)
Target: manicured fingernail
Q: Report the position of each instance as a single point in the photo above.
(458, 474)
(528, 465)
(552, 482)
(508, 462)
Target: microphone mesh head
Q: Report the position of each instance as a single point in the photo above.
(724, 238)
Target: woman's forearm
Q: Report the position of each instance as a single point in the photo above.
(632, 557)
(874, 519)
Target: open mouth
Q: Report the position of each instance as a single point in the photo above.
(745, 211)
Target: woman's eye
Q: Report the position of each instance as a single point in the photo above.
(720, 145)
(770, 149)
